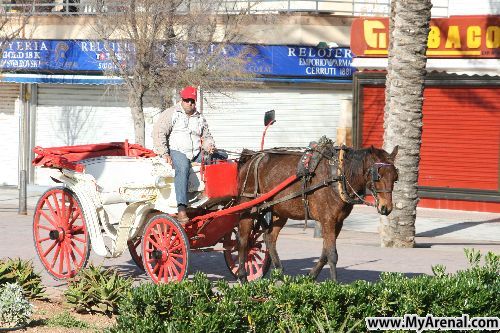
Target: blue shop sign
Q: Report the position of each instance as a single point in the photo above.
(76, 56)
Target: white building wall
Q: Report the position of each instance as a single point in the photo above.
(70, 115)
(9, 133)
(476, 7)
(303, 113)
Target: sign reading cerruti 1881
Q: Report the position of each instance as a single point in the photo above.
(453, 37)
(61, 56)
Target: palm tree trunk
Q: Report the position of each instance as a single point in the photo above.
(403, 114)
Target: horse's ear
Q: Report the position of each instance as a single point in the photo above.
(392, 156)
(372, 149)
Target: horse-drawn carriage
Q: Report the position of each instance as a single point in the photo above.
(120, 196)
(117, 196)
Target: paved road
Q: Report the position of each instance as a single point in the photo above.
(441, 237)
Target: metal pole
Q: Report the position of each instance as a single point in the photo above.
(23, 198)
(23, 135)
(317, 230)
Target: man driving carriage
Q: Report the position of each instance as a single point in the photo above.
(179, 135)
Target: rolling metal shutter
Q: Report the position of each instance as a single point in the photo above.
(460, 139)
(303, 114)
(9, 134)
(82, 114)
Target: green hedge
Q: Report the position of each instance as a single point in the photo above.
(298, 304)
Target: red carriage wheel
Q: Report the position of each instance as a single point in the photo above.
(134, 247)
(165, 249)
(60, 233)
(258, 259)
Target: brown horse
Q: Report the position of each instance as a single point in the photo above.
(337, 182)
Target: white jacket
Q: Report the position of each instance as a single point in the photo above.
(175, 130)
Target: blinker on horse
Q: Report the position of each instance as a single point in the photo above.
(332, 182)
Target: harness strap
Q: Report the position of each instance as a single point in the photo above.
(255, 164)
(297, 194)
(305, 180)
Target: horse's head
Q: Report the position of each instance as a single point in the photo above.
(381, 176)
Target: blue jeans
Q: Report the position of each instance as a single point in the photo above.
(182, 165)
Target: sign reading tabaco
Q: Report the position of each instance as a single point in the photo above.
(453, 37)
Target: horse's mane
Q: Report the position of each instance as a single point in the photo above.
(246, 155)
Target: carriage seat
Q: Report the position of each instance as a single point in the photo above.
(113, 174)
(123, 179)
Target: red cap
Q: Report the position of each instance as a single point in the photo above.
(189, 93)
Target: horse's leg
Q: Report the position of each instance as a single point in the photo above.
(329, 252)
(244, 230)
(270, 237)
(320, 264)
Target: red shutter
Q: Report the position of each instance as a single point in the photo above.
(372, 121)
(460, 139)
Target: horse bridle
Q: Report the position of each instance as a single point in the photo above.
(343, 183)
(375, 177)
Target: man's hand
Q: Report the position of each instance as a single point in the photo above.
(168, 159)
(211, 149)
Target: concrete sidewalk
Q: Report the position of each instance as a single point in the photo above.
(437, 223)
(441, 237)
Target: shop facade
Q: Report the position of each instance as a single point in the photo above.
(460, 151)
(69, 102)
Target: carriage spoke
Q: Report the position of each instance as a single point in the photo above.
(61, 258)
(161, 272)
(78, 230)
(73, 258)
(79, 239)
(52, 222)
(56, 204)
(74, 218)
(175, 243)
(176, 255)
(177, 247)
(157, 236)
(175, 270)
(163, 234)
(68, 263)
(256, 256)
(249, 268)
(170, 275)
(56, 255)
(176, 262)
(45, 228)
(49, 249)
(158, 246)
(76, 249)
(157, 266)
(63, 206)
(257, 266)
(43, 239)
(51, 209)
(170, 234)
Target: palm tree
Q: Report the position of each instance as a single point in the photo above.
(409, 28)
